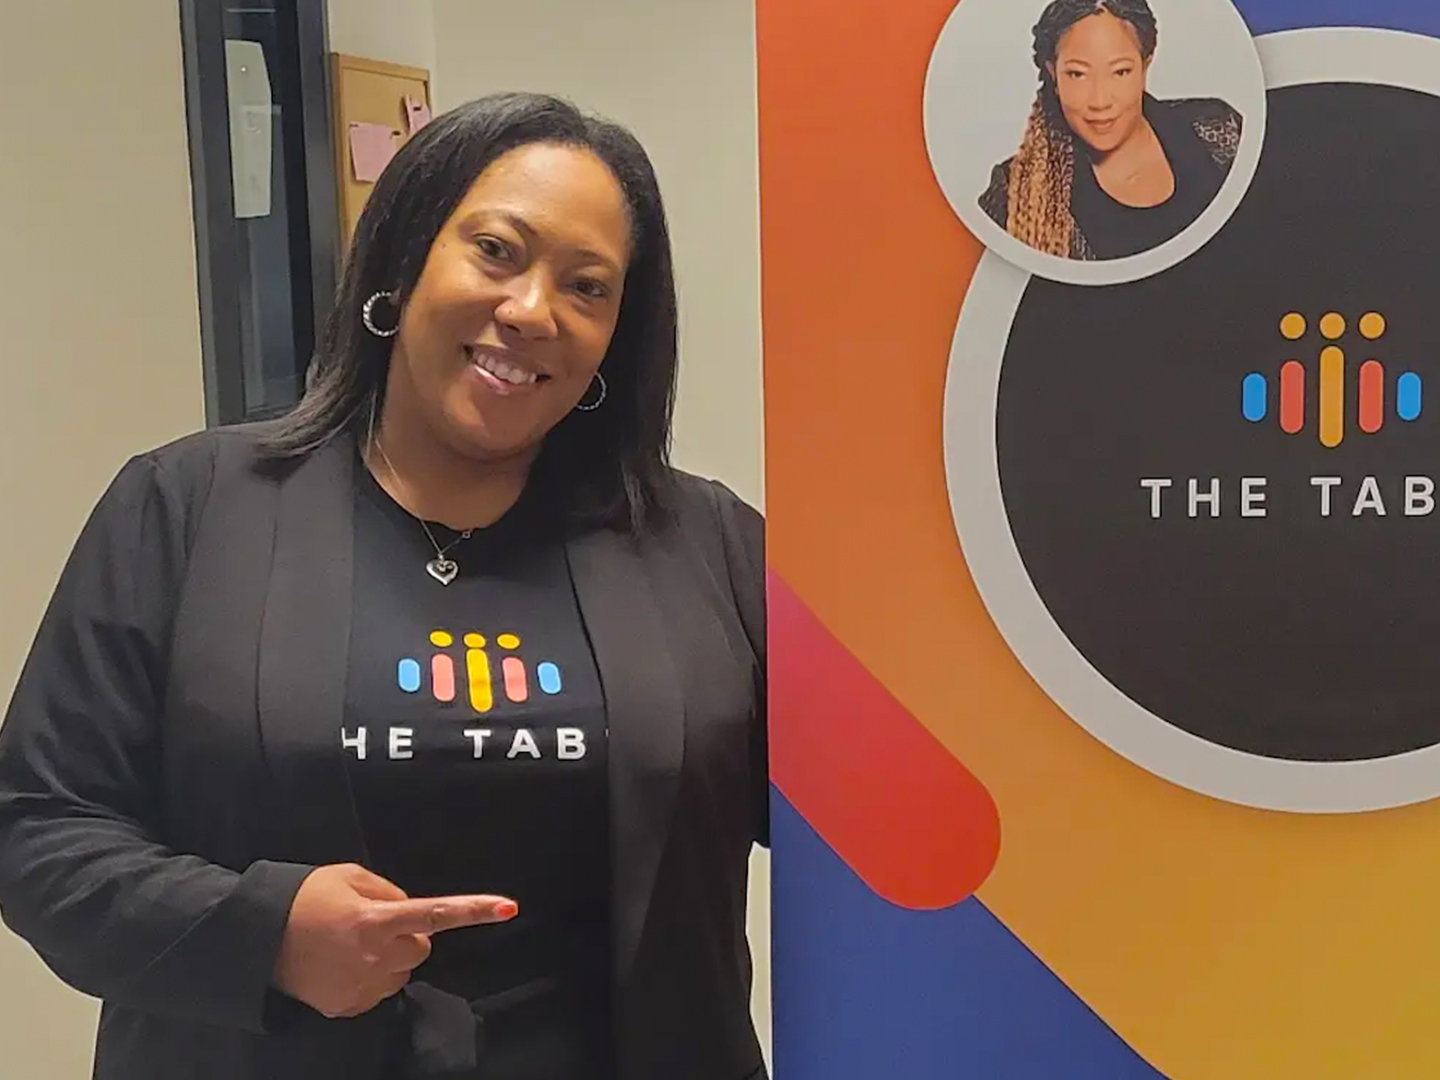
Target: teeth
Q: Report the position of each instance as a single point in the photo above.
(508, 372)
(512, 375)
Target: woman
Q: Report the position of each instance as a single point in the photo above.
(1105, 170)
(419, 733)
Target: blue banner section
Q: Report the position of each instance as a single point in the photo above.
(1269, 16)
(864, 989)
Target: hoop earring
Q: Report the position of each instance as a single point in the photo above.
(367, 315)
(604, 390)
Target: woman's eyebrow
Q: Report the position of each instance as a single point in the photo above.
(520, 225)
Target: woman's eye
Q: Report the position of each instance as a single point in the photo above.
(591, 290)
(492, 248)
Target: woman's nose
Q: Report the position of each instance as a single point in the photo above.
(527, 308)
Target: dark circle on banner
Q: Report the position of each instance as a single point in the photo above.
(1294, 635)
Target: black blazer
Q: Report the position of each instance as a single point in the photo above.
(170, 771)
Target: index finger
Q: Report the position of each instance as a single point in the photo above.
(435, 915)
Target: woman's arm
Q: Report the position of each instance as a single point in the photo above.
(84, 875)
(743, 531)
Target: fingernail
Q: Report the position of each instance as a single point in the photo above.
(507, 909)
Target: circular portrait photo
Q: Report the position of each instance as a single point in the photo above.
(1095, 141)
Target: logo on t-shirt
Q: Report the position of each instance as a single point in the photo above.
(486, 675)
(475, 660)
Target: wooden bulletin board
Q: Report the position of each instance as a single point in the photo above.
(368, 92)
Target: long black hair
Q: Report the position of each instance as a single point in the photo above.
(1044, 169)
(607, 467)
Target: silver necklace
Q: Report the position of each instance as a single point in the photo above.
(442, 568)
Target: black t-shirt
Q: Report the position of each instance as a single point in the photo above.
(1116, 231)
(481, 769)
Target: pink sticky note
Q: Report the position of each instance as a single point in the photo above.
(371, 148)
(418, 114)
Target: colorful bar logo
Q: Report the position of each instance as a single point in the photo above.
(1370, 411)
(479, 681)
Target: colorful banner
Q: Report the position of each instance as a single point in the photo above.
(1101, 478)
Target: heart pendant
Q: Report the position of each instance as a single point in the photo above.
(443, 570)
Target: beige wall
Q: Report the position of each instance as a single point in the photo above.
(102, 346)
(681, 74)
(400, 31)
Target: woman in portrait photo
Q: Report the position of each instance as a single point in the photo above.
(1105, 170)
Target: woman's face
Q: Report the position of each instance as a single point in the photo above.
(517, 303)
(1100, 77)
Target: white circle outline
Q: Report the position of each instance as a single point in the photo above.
(1291, 58)
(1109, 271)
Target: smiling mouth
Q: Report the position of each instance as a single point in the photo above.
(502, 371)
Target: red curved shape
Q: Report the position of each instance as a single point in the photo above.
(911, 821)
